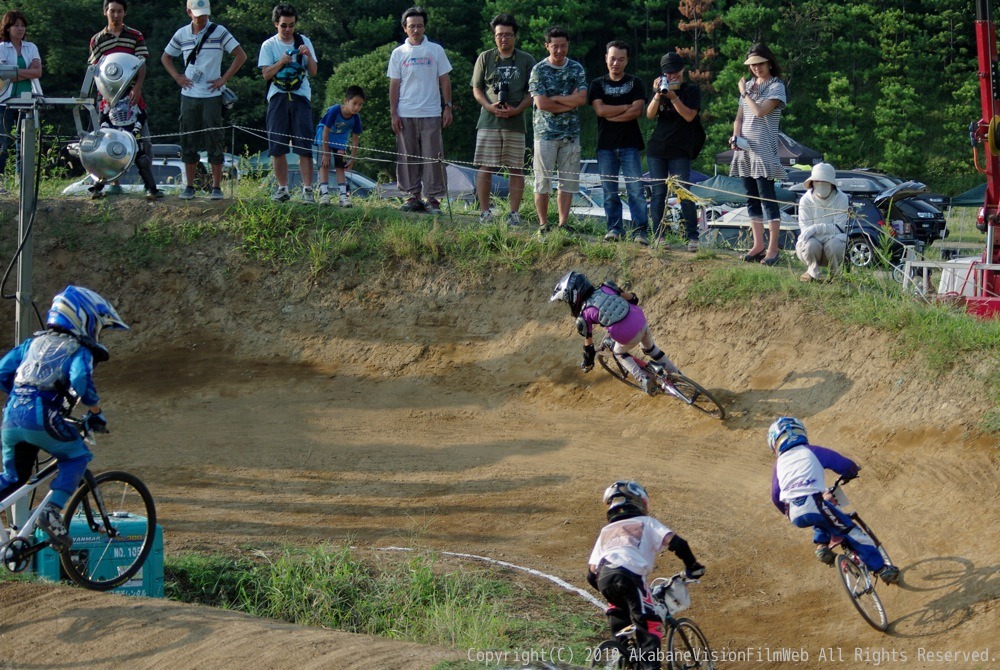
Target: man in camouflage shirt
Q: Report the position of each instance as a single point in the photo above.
(558, 87)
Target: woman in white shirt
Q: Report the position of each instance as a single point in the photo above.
(27, 65)
(822, 223)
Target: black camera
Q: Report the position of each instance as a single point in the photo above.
(502, 89)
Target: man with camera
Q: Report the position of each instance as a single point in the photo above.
(676, 141)
(286, 61)
(500, 86)
(618, 100)
(201, 44)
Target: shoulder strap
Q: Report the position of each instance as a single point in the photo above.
(193, 56)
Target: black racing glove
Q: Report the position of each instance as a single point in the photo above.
(589, 352)
(592, 579)
(95, 423)
(695, 571)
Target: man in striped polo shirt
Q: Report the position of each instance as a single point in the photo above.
(119, 38)
(201, 44)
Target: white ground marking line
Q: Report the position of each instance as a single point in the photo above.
(531, 571)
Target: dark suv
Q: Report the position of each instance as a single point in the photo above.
(903, 204)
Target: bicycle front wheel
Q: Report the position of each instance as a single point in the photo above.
(862, 593)
(687, 647)
(114, 524)
(695, 395)
(617, 370)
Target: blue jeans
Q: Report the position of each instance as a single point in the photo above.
(757, 188)
(659, 170)
(629, 162)
(8, 136)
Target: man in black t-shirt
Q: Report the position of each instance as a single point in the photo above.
(618, 100)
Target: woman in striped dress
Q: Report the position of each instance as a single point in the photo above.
(755, 144)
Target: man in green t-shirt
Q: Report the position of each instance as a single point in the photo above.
(500, 85)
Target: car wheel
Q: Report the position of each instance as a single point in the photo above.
(860, 252)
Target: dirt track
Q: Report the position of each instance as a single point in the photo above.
(263, 408)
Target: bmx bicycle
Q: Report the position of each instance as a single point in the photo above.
(685, 648)
(671, 383)
(119, 514)
(858, 580)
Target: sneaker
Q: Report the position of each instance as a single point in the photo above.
(824, 554)
(888, 574)
(486, 218)
(648, 385)
(345, 200)
(433, 206)
(514, 219)
(50, 520)
(324, 197)
(693, 246)
(154, 195)
(413, 204)
(642, 240)
(612, 236)
(114, 189)
(187, 194)
(216, 194)
(281, 194)
(307, 196)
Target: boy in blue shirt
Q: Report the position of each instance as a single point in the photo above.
(340, 123)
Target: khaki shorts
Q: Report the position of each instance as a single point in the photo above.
(499, 149)
(557, 156)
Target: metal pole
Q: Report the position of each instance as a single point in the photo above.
(24, 315)
(24, 318)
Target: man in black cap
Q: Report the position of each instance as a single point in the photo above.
(676, 141)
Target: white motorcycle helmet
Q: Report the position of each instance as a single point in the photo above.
(107, 153)
(115, 74)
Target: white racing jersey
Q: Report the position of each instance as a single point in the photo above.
(632, 544)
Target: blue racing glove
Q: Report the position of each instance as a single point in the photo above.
(95, 423)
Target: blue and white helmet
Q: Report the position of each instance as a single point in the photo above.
(84, 314)
(786, 432)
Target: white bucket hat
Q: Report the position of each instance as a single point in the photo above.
(822, 172)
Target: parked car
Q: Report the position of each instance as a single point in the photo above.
(588, 205)
(939, 200)
(867, 235)
(168, 173)
(900, 203)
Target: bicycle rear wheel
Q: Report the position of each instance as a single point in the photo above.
(121, 519)
(608, 655)
(865, 600)
(687, 647)
(695, 395)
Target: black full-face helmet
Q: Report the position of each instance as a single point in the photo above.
(626, 499)
(573, 289)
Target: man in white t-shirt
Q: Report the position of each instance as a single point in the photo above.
(286, 61)
(418, 78)
(201, 45)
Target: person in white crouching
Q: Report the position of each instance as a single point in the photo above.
(822, 223)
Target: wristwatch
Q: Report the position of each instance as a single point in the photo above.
(447, 104)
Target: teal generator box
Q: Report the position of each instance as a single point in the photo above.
(147, 582)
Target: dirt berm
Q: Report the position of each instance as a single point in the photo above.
(401, 406)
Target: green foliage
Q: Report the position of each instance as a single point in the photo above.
(412, 597)
(886, 85)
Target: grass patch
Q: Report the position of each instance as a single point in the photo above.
(415, 596)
